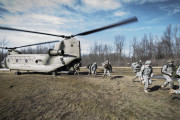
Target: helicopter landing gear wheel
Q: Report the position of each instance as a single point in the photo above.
(54, 73)
(17, 73)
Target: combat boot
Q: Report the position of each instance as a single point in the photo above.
(171, 91)
(142, 83)
(162, 87)
(146, 91)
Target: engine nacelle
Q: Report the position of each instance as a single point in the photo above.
(13, 52)
(52, 52)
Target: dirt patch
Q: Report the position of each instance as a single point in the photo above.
(37, 96)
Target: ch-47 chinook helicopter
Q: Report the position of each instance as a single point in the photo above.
(62, 57)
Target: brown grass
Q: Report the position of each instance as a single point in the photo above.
(41, 96)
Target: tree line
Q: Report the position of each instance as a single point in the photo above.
(149, 47)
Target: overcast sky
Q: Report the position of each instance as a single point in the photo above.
(69, 17)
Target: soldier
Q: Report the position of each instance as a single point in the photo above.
(77, 68)
(93, 69)
(146, 74)
(107, 68)
(136, 66)
(167, 71)
(176, 91)
(89, 67)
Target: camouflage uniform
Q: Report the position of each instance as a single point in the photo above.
(136, 66)
(146, 74)
(93, 69)
(77, 68)
(89, 67)
(133, 65)
(107, 68)
(167, 73)
(177, 91)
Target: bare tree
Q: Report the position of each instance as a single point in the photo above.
(157, 49)
(119, 44)
(177, 42)
(167, 42)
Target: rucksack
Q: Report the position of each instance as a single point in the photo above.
(106, 66)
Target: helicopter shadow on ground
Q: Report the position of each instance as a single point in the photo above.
(36, 73)
(44, 73)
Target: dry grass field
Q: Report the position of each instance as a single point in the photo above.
(84, 97)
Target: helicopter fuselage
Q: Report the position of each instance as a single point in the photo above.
(53, 61)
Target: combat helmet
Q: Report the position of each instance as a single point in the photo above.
(170, 61)
(148, 62)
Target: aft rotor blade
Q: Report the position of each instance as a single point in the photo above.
(6, 48)
(28, 31)
(38, 44)
(130, 20)
(3, 47)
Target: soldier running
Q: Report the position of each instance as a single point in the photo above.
(77, 68)
(176, 91)
(146, 73)
(107, 68)
(167, 71)
(136, 66)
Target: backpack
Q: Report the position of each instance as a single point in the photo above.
(162, 69)
(106, 66)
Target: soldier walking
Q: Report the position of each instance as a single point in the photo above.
(146, 73)
(176, 91)
(89, 68)
(93, 69)
(167, 71)
(136, 66)
(107, 68)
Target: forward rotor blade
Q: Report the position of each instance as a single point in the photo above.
(38, 44)
(28, 31)
(134, 19)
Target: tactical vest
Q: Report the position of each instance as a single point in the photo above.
(147, 70)
(168, 69)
